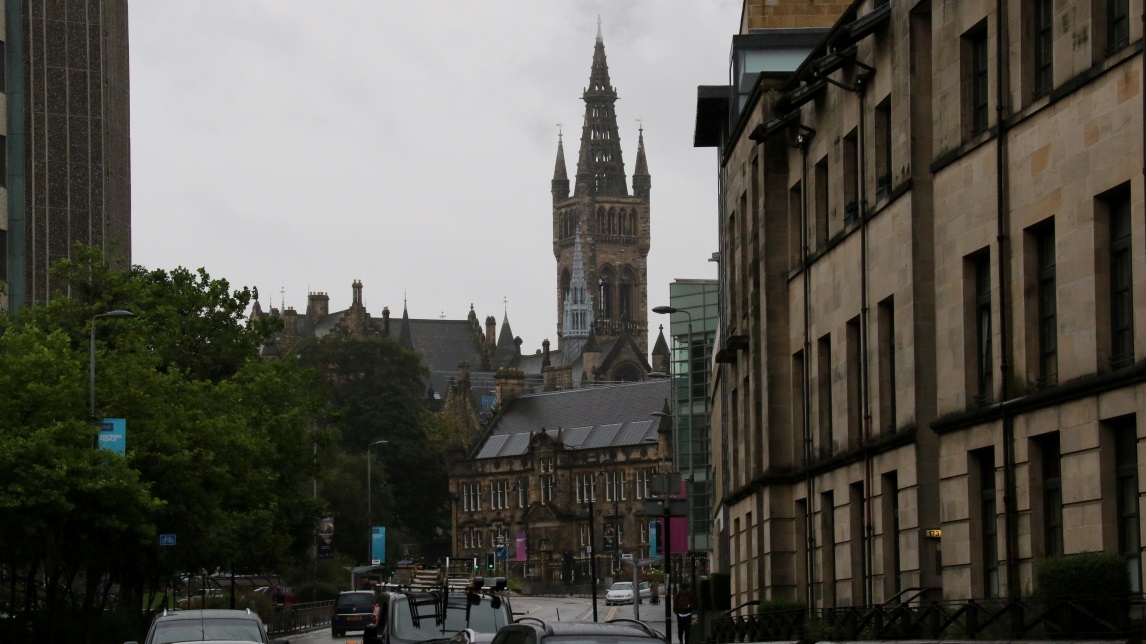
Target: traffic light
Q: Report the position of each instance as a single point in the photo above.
(489, 560)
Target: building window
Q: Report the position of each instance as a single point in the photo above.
(1125, 435)
(975, 79)
(824, 391)
(851, 177)
(1121, 282)
(983, 479)
(643, 477)
(891, 551)
(854, 382)
(1043, 11)
(3, 255)
(857, 529)
(548, 486)
(3, 160)
(828, 548)
(499, 495)
(883, 149)
(979, 289)
(1047, 305)
(586, 491)
(1050, 481)
(625, 294)
(522, 487)
(822, 203)
(605, 293)
(644, 531)
(885, 343)
(1117, 25)
(471, 497)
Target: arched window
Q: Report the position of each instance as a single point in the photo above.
(600, 221)
(612, 221)
(633, 222)
(606, 285)
(566, 279)
(625, 295)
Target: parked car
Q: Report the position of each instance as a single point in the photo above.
(211, 625)
(536, 631)
(621, 592)
(437, 616)
(354, 610)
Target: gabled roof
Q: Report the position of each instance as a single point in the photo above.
(593, 417)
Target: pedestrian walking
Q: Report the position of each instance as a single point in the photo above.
(683, 604)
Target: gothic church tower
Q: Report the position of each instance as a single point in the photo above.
(608, 226)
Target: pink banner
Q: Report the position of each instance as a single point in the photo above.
(519, 542)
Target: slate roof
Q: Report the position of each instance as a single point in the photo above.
(593, 417)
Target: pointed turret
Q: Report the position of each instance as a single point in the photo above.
(404, 338)
(662, 357)
(600, 167)
(508, 353)
(578, 309)
(642, 182)
(560, 178)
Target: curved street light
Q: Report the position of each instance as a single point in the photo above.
(369, 488)
(669, 310)
(114, 314)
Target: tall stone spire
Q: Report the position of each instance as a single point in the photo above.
(560, 178)
(641, 180)
(600, 168)
(578, 318)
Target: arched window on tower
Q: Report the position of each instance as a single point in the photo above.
(606, 286)
(600, 221)
(566, 279)
(633, 222)
(612, 221)
(625, 295)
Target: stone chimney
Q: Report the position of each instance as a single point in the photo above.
(557, 378)
(317, 306)
(290, 320)
(386, 321)
(490, 331)
(790, 14)
(510, 384)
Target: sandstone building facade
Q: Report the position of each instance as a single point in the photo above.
(932, 351)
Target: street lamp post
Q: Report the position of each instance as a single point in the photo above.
(688, 361)
(114, 314)
(592, 549)
(369, 488)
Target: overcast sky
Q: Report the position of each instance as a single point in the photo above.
(297, 146)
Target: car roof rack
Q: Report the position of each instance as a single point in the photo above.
(544, 624)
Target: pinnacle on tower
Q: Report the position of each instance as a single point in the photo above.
(600, 167)
(642, 182)
(560, 178)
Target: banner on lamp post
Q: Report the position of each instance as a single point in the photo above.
(377, 545)
(519, 542)
(326, 538)
(113, 435)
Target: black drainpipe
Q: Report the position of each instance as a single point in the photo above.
(809, 534)
(1002, 219)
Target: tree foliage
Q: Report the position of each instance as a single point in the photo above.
(219, 442)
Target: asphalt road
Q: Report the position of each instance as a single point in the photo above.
(544, 608)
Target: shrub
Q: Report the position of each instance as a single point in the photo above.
(720, 590)
(1083, 575)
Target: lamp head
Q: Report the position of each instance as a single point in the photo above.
(665, 309)
(117, 313)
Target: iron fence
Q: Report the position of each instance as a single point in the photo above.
(989, 619)
(299, 617)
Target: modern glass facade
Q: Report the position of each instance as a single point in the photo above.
(692, 370)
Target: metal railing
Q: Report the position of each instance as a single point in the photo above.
(299, 617)
(989, 619)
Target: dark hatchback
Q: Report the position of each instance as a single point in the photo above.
(207, 625)
(354, 610)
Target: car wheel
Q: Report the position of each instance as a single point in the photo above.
(334, 632)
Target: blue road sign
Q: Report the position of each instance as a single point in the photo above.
(500, 552)
(166, 539)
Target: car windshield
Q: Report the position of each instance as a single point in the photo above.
(622, 585)
(482, 618)
(357, 603)
(207, 630)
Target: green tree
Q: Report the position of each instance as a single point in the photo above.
(220, 443)
(377, 390)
